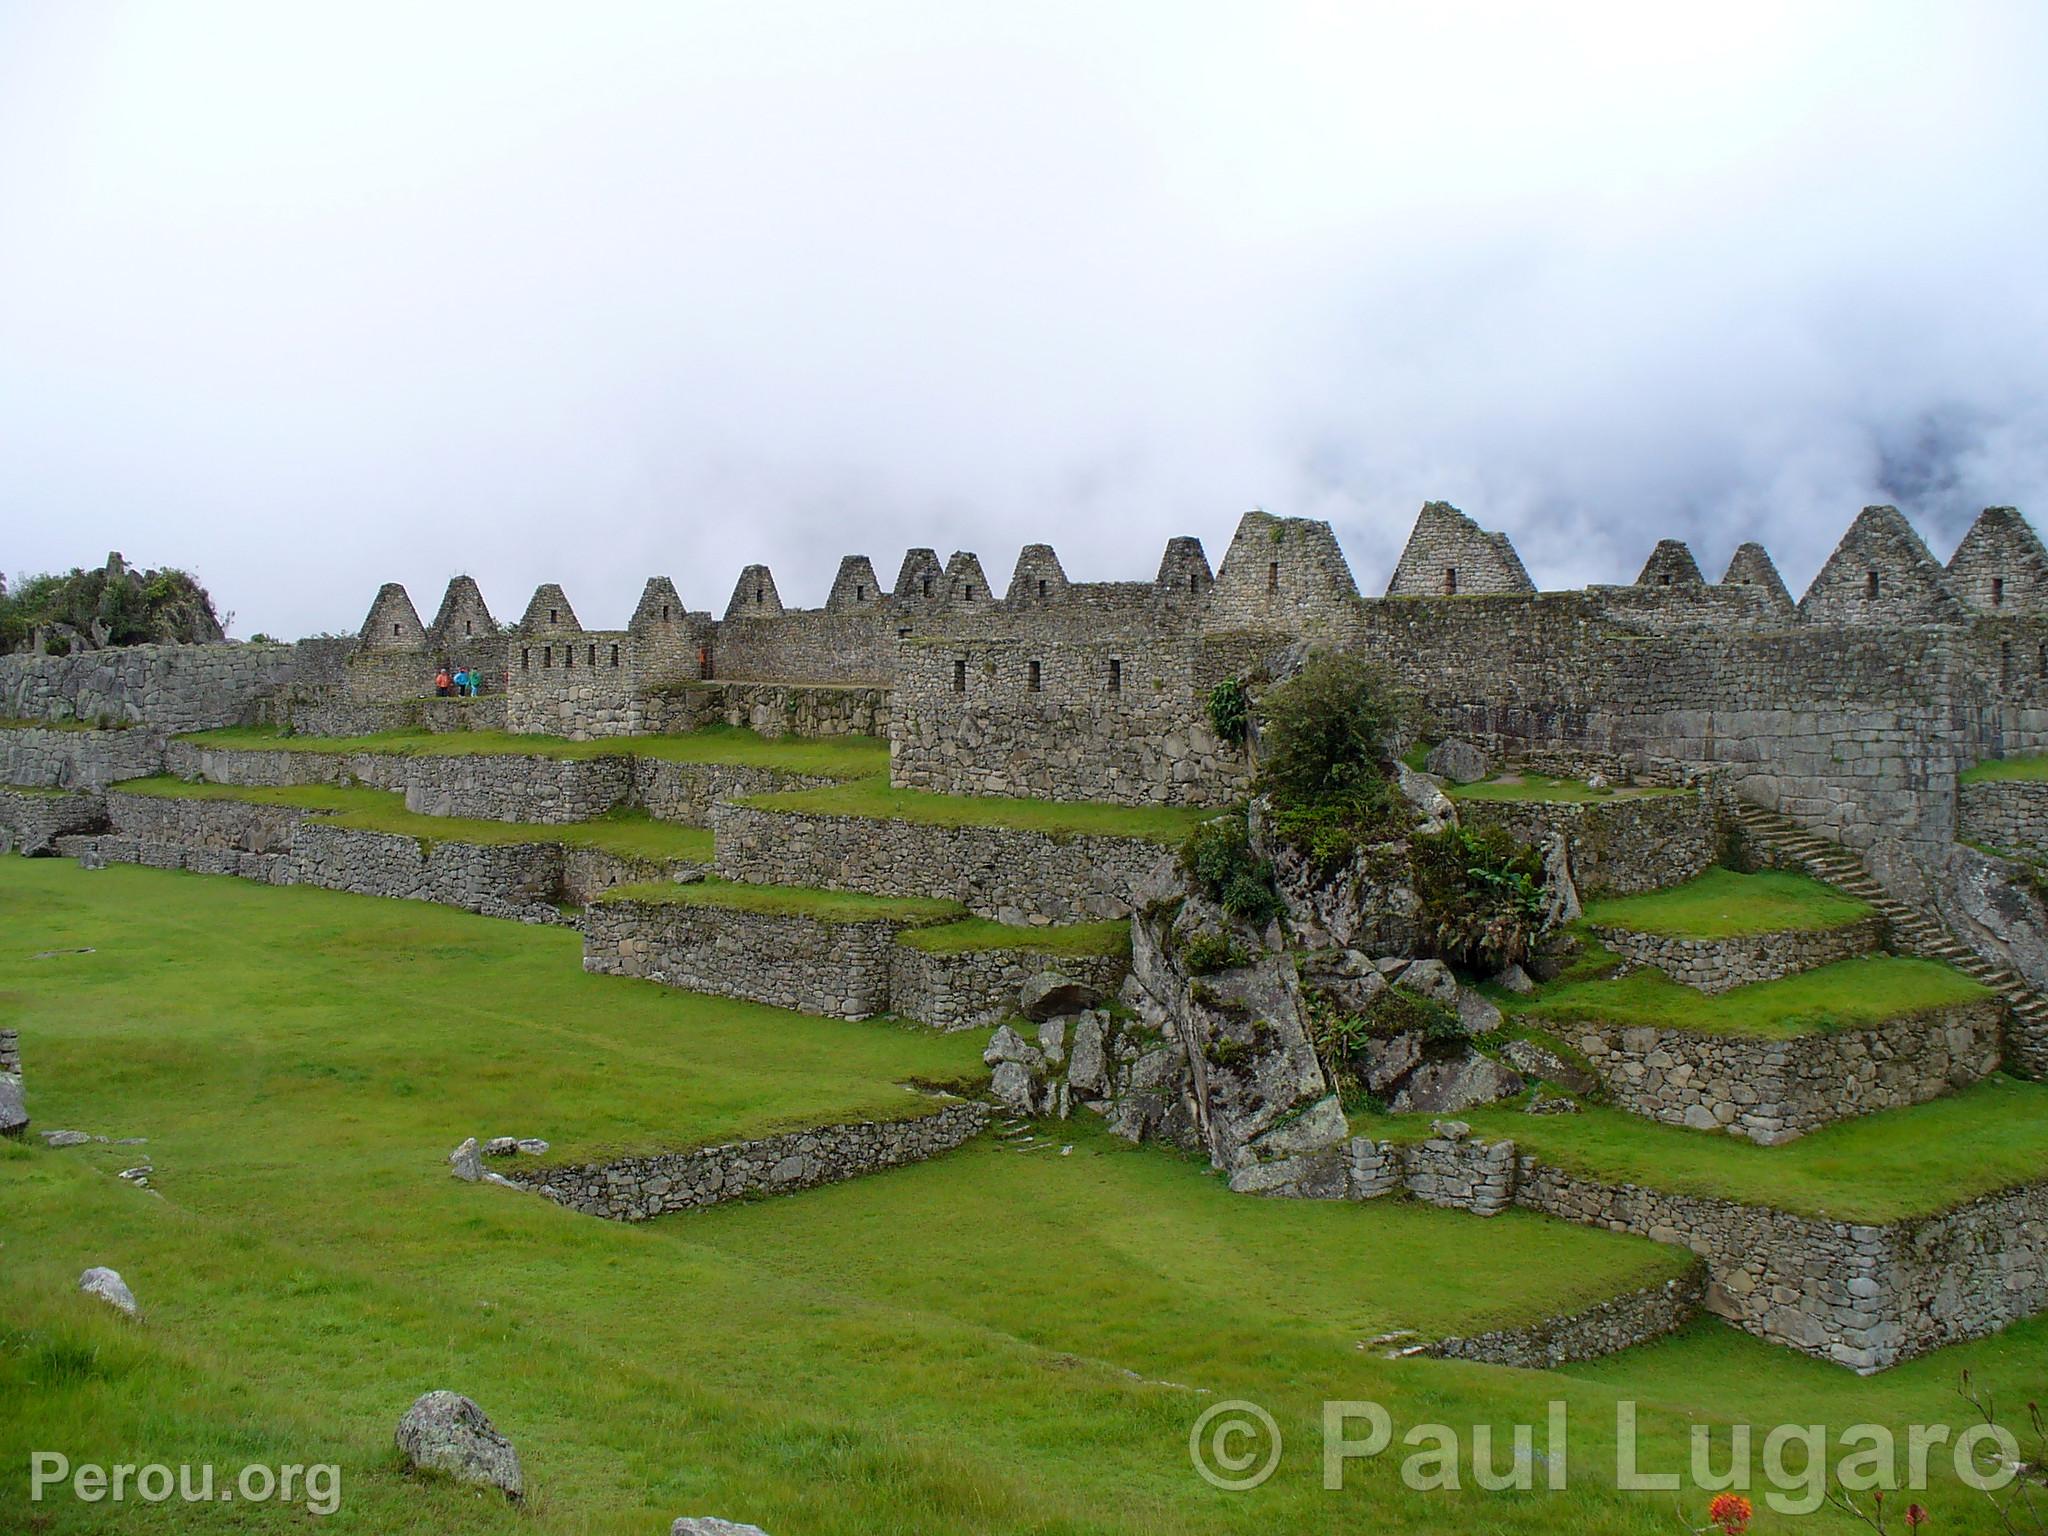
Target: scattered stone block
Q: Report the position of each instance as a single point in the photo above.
(1459, 761)
(466, 1162)
(711, 1525)
(446, 1432)
(108, 1285)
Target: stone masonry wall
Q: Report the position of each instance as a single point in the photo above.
(1605, 1328)
(1771, 1091)
(33, 819)
(685, 792)
(172, 688)
(838, 970)
(1618, 847)
(35, 758)
(1720, 965)
(1011, 876)
(978, 989)
(505, 787)
(641, 1188)
(2010, 815)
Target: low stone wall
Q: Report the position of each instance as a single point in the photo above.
(1772, 1091)
(685, 792)
(38, 757)
(1447, 1170)
(773, 709)
(497, 786)
(978, 989)
(587, 873)
(640, 1188)
(1605, 1328)
(33, 819)
(838, 970)
(1011, 876)
(1618, 847)
(1720, 965)
(2007, 814)
(273, 768)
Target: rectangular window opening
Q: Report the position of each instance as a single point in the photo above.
(959, 677)
(1034, 682)
(1116, 676)
(1273, 576)
(1997, 590)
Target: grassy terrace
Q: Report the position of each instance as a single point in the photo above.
(2007, 768)
(872, 797)
(793, 901)
(831, 757)
(1884, 1167)
(1723, 904)
(1548, 790)
(918, 1351)
(979, 933)
(626, 832)
(1850, 994)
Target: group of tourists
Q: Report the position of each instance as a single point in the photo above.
(462, 683)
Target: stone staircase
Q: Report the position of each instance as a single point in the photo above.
(1913, 932)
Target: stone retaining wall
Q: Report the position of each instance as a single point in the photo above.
(1011, 876)
(685, 792)
(173, 688)
(1773, 1090)
(2007, 814)
(637, 1189)
(837, 970)
(33, 819)
(1618, 847)
(46, 758)
(506, 787)
(977, 989)
(1605, 1328)
(1720, 965)
(773, 709)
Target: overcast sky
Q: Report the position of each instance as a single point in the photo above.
(310, 297)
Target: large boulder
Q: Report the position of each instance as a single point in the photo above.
(1431, 979)
(1459, 761)
(711, 1525)
(13, 1106)
(1088, 1065)
(1049, 995)
(1428, 798)
(1455, 1083)
(466, 1162)
(108, 1285)
(446, 1432)
(1539, 1061)
(1014, 1087)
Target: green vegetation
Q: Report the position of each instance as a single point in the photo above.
(793, 901)
(1850, 994)
(1328, 767)
(1482, 896)
(1545, 788)
(1230, 714)
(1112, 937)
(1723, 904)
(2007, 768)
(108, 606)
(872, 797)
(63, 725)
(825, 757)
(1883, 1167)
(1218, 858)
(628, 833)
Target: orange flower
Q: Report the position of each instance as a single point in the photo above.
(1730, 1513)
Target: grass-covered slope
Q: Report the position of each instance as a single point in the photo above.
(1723, 904)
(873, 797)
(793, 901)
(2007, 768)
(1550, 789)
(627, 832)
(1111, 937)
(836, 757)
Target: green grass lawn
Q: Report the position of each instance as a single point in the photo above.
(1903, 1162)
(832, 757)
(1722, 904)
(995, 1342)
(1112, 937)
(1550, 790)
(793, 901)
(873, 797)
(2007, 768)
(1850, 994)
(627, 831)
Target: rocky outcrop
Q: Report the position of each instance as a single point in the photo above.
(445, 1432)
(108, 1285)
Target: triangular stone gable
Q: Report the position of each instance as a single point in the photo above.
(463, 617)
(1671, 565)
(918, 580)
(2000, 567)
(393, 624)
(549, 610)
(1753, 567)
(1881, 574)
(963, 586)
(1037, 578)
(754, 595)
(1184, 568)
(1286, 574)
(659, 605)
(1449, 555)
(855, 589)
